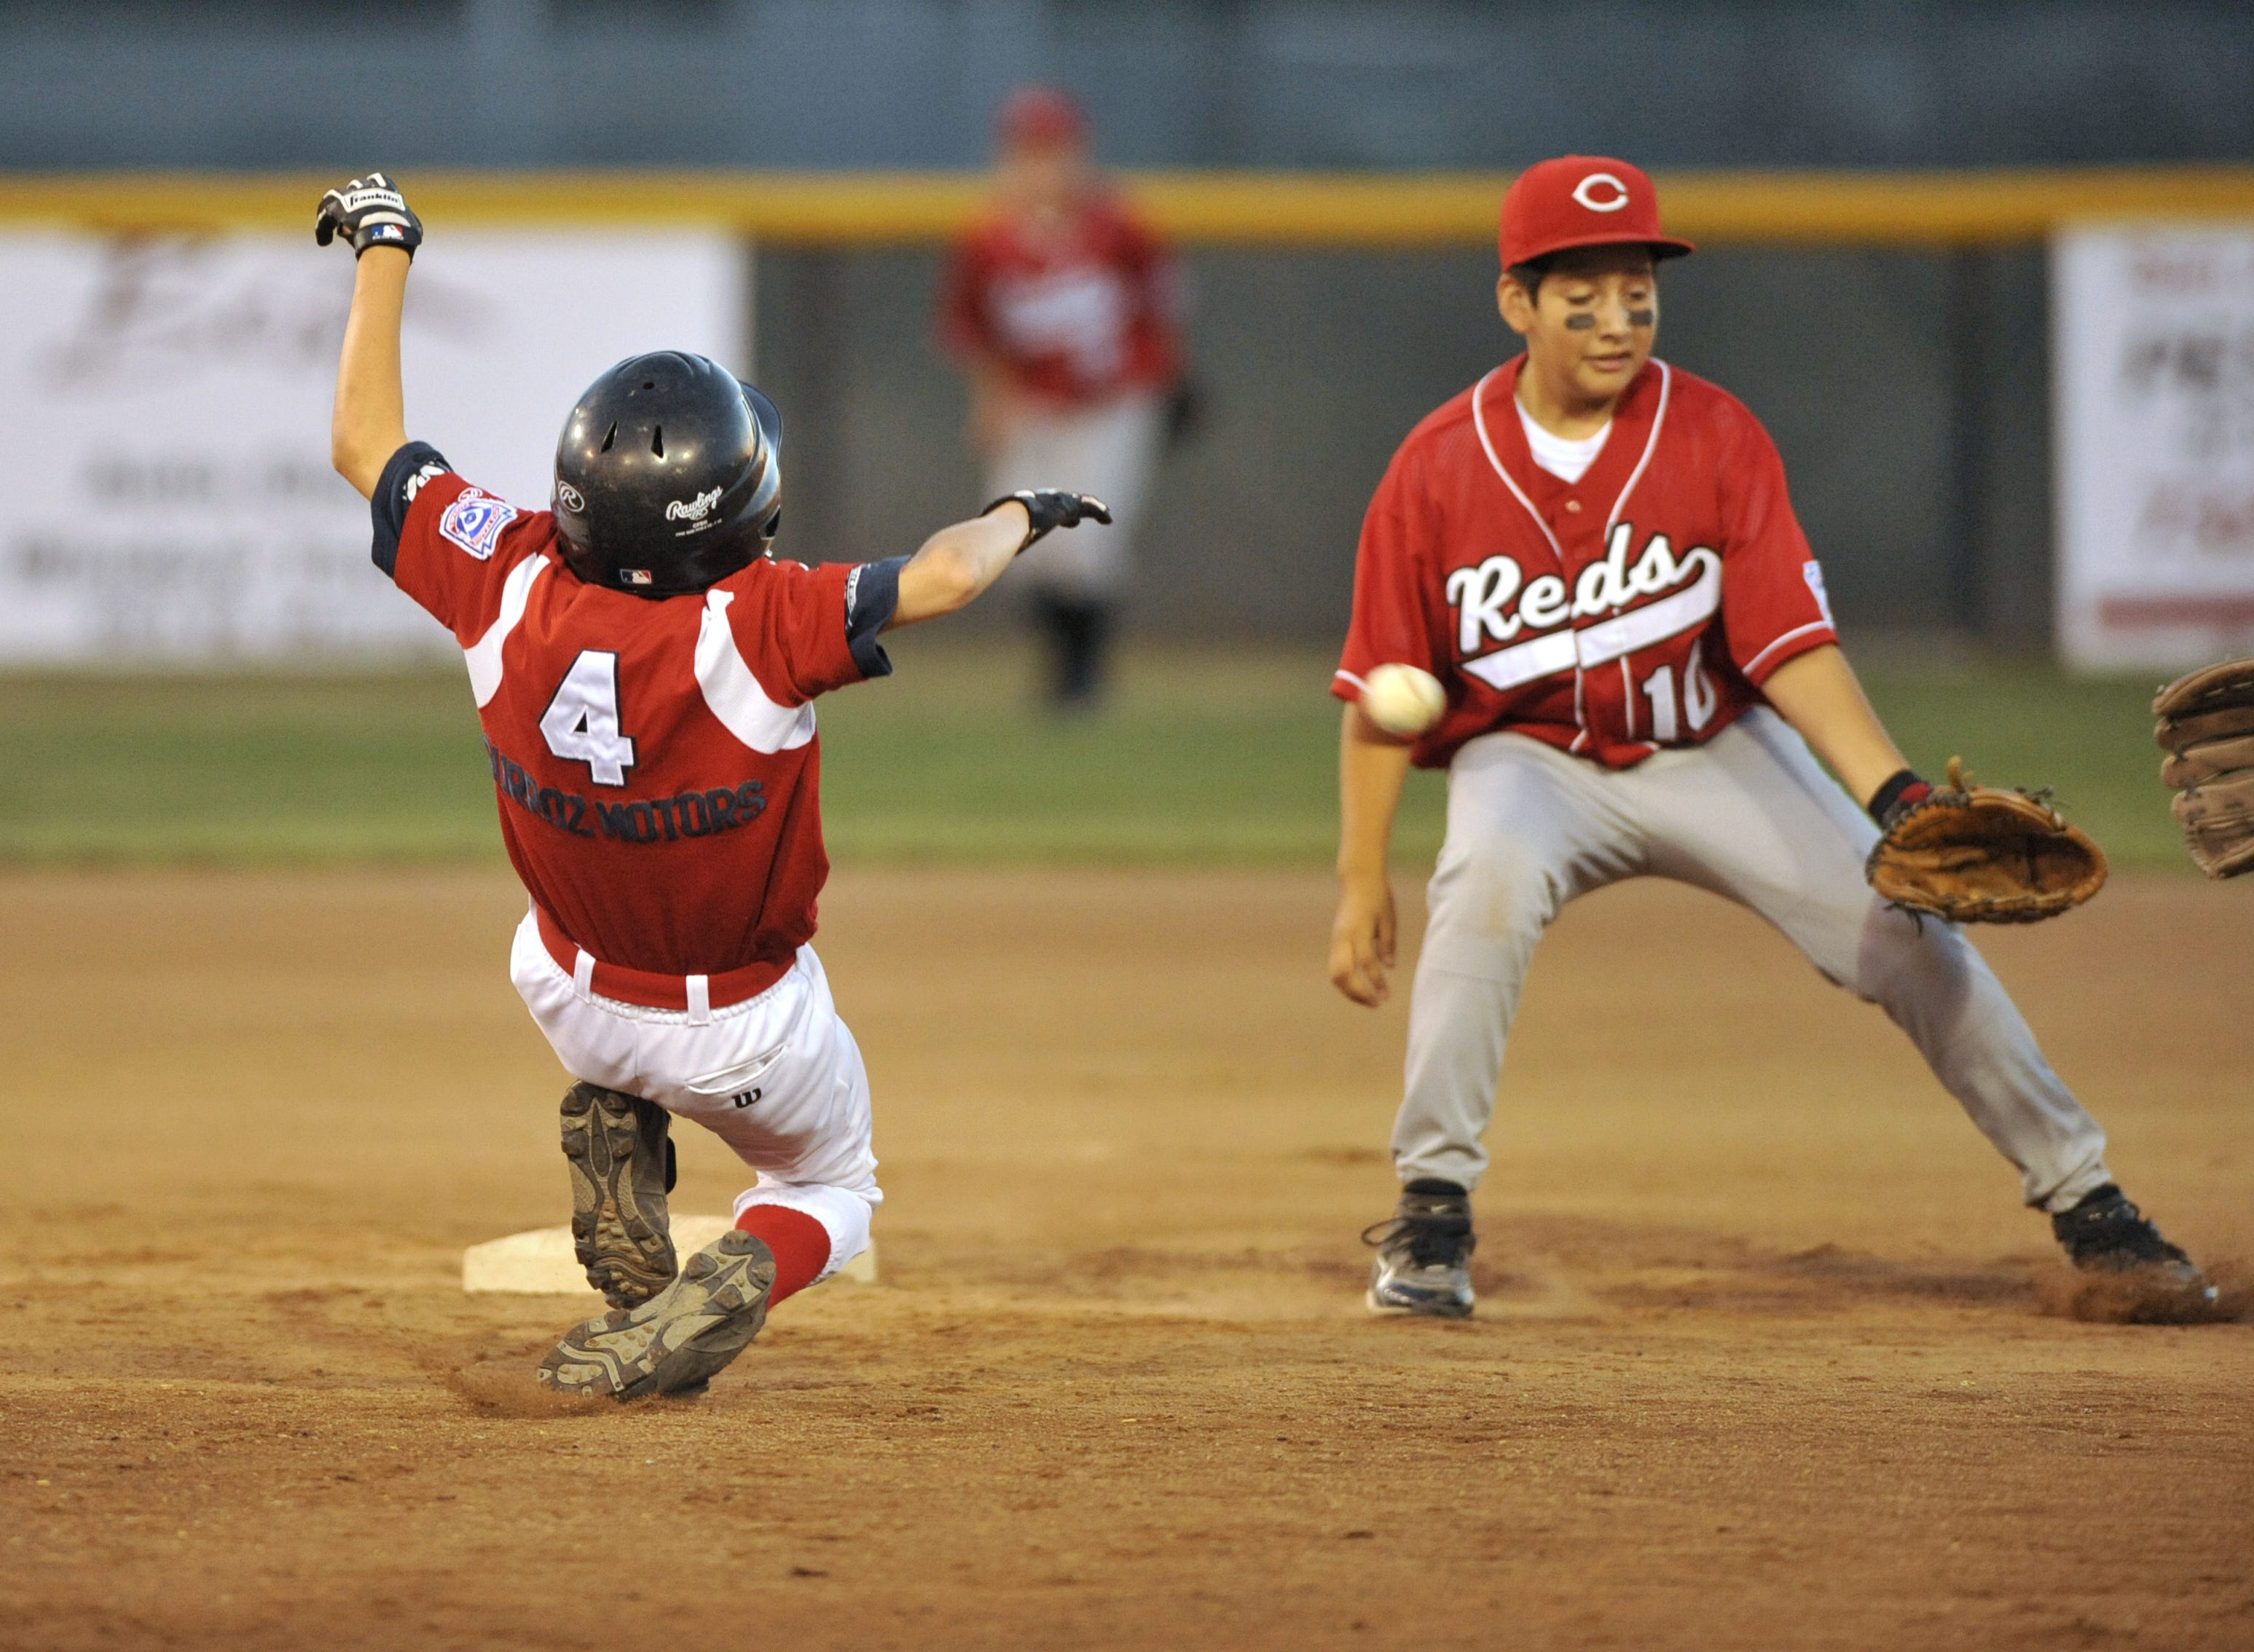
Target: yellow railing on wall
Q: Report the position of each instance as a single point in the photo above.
(1317, 209)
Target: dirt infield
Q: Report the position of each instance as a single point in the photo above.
(1768, 1354)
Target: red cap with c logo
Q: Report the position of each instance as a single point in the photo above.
(1582, 200)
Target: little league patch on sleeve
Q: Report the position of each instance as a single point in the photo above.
(474, 521)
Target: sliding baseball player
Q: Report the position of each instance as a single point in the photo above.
(645, 673)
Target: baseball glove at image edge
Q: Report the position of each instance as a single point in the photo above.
(2207, 728)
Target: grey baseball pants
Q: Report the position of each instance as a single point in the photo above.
(1751, 817)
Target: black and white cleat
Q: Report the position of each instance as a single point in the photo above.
(679, 1340)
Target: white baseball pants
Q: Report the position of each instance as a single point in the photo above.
(1753, 817)
(778, 1077)
(1109, 450)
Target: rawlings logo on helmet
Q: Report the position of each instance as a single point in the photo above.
(570, 497)
(692, 510)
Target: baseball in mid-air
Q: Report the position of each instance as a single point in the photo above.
(1402, 699)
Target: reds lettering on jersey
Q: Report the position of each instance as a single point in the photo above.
(655, 763)
(1642, 606)
(1073, 318)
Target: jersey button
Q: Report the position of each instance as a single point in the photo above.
(1573, 504)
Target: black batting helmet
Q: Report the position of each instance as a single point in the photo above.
(669, 476)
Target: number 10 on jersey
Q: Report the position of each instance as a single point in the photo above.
(1698, 696)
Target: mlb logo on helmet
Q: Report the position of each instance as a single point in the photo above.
(1582, 200)
(636, 577)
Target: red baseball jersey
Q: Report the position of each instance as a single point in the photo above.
(1641, 607)
(655, 762)
(1072, 320)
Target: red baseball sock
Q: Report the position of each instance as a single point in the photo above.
(800, 1246)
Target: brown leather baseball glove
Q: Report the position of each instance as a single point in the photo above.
(2207, 728)
(1977, 854)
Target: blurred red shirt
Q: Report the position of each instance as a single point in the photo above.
(1074, 318)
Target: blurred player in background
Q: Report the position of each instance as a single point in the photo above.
(1063, 308)
(1595, 555)
(646, 674)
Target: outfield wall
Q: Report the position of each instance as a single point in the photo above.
(1893, 331)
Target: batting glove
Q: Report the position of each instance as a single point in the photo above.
(1049, 507)
(369, 212)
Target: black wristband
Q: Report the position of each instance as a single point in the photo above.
(1033, 526)
(1047, 508)
(1887, 796)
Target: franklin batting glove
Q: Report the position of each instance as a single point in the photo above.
(1050, 508)
(369, 212)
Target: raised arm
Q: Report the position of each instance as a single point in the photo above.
(957, 564)
(369, 423)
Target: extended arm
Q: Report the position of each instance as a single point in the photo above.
(369, 425)
(957, 564)
(1819, 695)
(1373, 767)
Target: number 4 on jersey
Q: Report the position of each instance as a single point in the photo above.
(581, 724)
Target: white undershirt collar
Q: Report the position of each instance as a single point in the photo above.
(1568, 461)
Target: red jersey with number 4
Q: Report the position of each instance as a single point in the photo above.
(1073, 318)
(1641, 607)
(655, 761)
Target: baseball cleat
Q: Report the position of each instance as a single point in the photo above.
(681, 1339)
(1424, 1262)
(2106, 1234)
(622, 1167)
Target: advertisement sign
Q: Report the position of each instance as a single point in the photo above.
(164, 409)
(2153, 350)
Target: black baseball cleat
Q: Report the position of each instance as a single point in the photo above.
(680, 1340)
(2106, 1234)
(1424, 1262)
(620, 1152)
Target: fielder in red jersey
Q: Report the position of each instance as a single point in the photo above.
(1595, 556)
(645, 673)
(1641, 605)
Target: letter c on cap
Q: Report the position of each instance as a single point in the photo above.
(1612, 203)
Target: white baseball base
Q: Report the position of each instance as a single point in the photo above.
(540, 1263)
